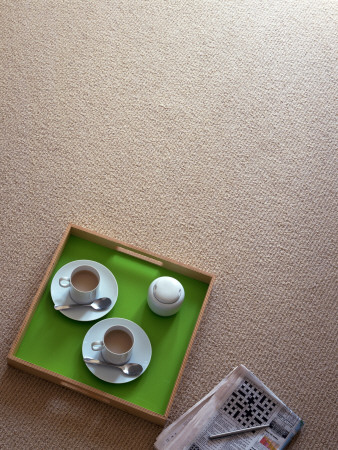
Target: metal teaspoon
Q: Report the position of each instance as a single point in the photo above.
(99, 305)
(131, 369)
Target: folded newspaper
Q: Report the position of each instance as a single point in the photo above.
(239, 401)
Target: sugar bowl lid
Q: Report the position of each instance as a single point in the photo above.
(167, 290)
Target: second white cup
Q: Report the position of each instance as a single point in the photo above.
(117, 344)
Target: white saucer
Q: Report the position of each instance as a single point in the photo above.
(60, 296)
(141, 351)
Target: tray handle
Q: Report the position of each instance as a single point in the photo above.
(84, 391)
(127, 251)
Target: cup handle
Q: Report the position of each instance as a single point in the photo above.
(97, 345)
(64, 282)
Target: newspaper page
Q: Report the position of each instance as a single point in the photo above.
(241, 400)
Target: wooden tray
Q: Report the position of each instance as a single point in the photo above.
(49, 344)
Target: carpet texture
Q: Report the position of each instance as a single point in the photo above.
(203, 131)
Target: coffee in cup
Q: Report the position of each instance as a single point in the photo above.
(117, 344)
(83, 284)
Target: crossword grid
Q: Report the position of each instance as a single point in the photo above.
(249, 406)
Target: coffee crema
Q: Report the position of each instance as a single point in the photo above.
(118, 341)
(84, 280)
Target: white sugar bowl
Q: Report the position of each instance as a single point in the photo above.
(165, 296)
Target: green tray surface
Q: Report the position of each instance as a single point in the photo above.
(54, 342)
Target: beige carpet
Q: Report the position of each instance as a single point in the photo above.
(203, 131)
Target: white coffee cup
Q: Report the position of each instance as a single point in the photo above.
(117, 344)
(83, 284)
